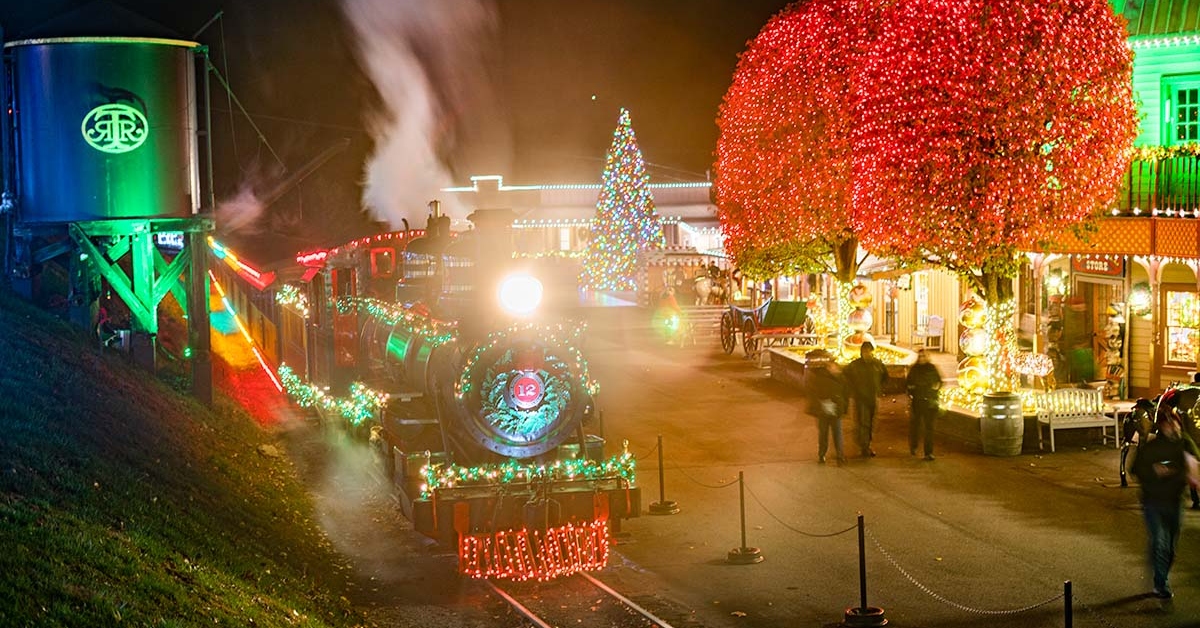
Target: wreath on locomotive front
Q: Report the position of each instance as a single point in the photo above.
(523, 396)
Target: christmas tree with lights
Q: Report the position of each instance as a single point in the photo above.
(626, 223)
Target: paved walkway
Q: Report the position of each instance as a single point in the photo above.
(964, 540)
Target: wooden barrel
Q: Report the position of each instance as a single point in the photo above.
(1002, 426)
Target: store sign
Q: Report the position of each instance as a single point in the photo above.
(526, 390)
(1098, 266)
(115, 128)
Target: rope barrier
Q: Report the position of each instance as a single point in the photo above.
(949, 602)
(647, 454)
(695, 481)
(887, 555)
(796, 530)
(1093, 612)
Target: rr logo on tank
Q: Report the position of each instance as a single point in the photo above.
(115, 128)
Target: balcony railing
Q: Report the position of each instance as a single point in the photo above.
(1166, 183)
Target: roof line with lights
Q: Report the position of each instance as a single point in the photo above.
(474, 187)
(1164, 41)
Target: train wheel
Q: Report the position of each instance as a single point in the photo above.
(728, 332)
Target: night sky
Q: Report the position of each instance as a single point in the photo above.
(431, 93)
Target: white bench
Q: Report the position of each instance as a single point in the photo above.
(1069, 408)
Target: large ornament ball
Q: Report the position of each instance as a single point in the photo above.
(972, 313)
(972, 375)
(973, 342)
(860, 319)
(975, 362)
(860, 296)
(972, 380)
(852, 345)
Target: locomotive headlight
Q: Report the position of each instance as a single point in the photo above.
(520, 294)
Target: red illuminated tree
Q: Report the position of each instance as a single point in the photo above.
(990, 127)
(783, 181)
(984, 128)
(784, 149)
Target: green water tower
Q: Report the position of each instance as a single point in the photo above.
(103, 173)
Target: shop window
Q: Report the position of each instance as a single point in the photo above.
(1181, 319)
(1183, 110)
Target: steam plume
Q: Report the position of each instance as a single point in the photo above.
(425, 61)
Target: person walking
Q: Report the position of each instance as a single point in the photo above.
(825, 390)
(923, 383)
(866, 376)
(1162, 470)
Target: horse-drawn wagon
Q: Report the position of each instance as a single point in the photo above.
(774, 323)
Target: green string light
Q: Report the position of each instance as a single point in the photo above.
(293, 298)
(448, 476)
(432, 331)
(360, 406)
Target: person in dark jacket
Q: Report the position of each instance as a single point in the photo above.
(1161, 469)
(923, 383)
(825, 390)
(866, 377)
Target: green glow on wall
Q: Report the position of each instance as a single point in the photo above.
(115, 128)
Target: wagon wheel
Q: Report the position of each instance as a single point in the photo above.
(749, 342)
(728, 332)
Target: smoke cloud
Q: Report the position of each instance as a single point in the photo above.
(239, 214)
(426, 61)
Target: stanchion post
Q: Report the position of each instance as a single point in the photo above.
(744, 555)
(1067, 613)
(662, 506)
(863, 615)
(862, 563)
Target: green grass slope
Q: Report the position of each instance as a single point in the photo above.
(123, 502)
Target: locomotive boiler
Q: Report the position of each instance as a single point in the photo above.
(471, 382)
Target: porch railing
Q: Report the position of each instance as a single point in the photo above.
(1170, 185)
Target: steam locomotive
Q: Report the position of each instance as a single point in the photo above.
(467, 377)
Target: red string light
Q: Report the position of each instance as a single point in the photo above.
(534, 554)
(964, 130)
(988, 127)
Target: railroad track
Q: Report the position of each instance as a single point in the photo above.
(579, 601)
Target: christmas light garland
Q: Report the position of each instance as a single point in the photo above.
(528, 555)
(293, 298)
(417, 324)
(550, 335)
(360, 406)
(449, 476)
(1161, 153)
(511, 420)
